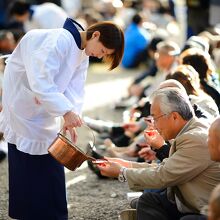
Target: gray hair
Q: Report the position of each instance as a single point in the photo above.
(168, 47)
(172, 83)
(173, 100)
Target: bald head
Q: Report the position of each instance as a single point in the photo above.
(172, 83)
(214, 140)
(214, 204)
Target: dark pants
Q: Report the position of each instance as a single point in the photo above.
(156, 206)
(194, 217)
(36, 187)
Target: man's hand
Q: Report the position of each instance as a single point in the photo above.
(122, 162)
(153, 138)
(147, 153)
(111, 169)
(112, 166)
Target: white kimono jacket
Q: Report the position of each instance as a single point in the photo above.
(44, 78)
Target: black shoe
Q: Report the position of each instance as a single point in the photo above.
(2, 155)
(91, 165)
(121, 141)
(95, 170)
(117, 131)
(134, 202)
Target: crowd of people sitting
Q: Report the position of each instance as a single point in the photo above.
(164, 146)
(170, 153)
(162, 151)
(170, 148)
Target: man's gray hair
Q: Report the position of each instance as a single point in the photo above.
(173, 100)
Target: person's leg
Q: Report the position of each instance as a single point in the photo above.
(36, 187)
(194, 217)
(155, 206)
(100, 126)
(134, 202)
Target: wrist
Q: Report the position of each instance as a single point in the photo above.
(159, 145)
(66, 114)
(122, 175)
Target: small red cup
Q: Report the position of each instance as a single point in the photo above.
(150, 132)
(100, 162)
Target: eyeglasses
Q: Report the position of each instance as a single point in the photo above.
(155, 119)
(152, 119)
(160, 116)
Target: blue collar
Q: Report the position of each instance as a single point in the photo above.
(72, 26)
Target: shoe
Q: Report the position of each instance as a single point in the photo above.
(121, 141)
(134, 202)
(91, 165)
(98, 125)
(128, 214)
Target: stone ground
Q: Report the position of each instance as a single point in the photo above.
(90, 198)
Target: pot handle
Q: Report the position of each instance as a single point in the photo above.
(90, 158)
(91, 143)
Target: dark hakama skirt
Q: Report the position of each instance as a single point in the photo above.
(36, 187)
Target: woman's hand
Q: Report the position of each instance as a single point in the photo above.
(72, 120)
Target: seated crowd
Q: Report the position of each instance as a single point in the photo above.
(186, 174)
(163, 150)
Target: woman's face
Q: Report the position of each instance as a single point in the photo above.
(95, 48)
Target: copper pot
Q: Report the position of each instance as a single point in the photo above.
(67, 153)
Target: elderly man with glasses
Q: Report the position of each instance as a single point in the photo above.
(189, 175)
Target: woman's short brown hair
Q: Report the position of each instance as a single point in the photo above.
(112, 37)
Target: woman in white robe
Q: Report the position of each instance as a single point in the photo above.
(44, 81)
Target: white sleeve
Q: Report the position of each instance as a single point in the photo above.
(42, 66)
(76, 93)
